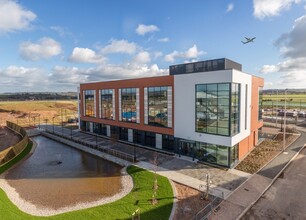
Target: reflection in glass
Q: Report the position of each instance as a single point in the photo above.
(217, 108)
(260, 95)
(158, 106)
(107, 104)
(89, 103)
(128, 104)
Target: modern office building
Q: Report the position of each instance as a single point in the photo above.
(207, 110)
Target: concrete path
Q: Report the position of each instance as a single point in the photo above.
(184, 179)
(235, 206)
(286, 198)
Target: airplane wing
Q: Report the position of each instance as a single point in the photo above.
(247, 38)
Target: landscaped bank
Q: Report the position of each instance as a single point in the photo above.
(122, 209)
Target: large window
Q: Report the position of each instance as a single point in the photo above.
(217, 108)
(158, 106)
(128, 105)
(217, 154)
(107, 104)
(150, 139)
(260, 94)
(235, 108)
(89, 98)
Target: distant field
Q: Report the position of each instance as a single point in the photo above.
(295, 97)
(31, 112)
(293, 101)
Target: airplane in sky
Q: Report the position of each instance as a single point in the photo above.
(248, 40)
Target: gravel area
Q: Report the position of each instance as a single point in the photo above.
(189, 202)
(25, 206)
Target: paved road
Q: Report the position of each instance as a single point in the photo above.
(286, 198)
(251, 190)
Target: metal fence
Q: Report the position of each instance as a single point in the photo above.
(208, 210)
(35, 120)
(113, 152)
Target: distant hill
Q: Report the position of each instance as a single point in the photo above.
(38, 96)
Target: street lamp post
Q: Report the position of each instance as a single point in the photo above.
(53, 123)
(71, 132)
(96, 140)
(46, 124)
(134, 154)
(284, 135)
(276, 107)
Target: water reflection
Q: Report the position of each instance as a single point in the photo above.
(80, 177)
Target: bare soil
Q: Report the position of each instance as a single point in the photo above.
(30, 113)
(189, 202)
(264, 152)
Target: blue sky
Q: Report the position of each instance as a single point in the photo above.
(54, 45)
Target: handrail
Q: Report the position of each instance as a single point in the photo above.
(113, 152)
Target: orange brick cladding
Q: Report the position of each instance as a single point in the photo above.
(247, 144)
(140, 83)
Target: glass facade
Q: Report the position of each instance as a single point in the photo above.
(168, 142)
(158, 106)
(260, 95)
(89, 100)
(216, 154)
(107, 104)
(218, 108)
(150, 139)
(128, 105)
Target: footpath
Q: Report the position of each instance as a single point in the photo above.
(247, 194)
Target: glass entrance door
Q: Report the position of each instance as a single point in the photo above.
(187, 148)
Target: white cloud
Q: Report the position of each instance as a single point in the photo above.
(14, 17)
(191, 53)
(142, 57)
(61, 31)
(157, 54)
(269, 69)
(230, 7)
(165, 39)
(68, 76)
(293, 49)
(144, 29)
(270, 8)
(43, 49)
(62, 78)
(120, 46)
(85, 55)
(20, 79)
(292, 44)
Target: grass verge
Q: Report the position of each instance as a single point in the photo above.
(121, 209)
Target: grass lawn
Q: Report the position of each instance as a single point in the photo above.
(121, 209)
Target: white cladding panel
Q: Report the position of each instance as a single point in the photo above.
(146, 109)
(108, 131)
(130, 135)
(158, 141)
(184, 105)
(114, 104)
